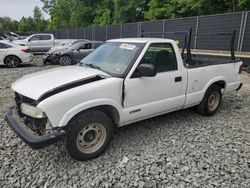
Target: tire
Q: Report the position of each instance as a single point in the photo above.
(65, 60)
(12, 61)
(211, 101)
(88, 135)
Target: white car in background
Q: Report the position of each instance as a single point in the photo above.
(13, 55)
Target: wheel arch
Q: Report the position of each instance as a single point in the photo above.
(66, 54)
(108, 109)
(11, 55)
(219, 81)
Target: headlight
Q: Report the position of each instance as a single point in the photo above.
(32, 111)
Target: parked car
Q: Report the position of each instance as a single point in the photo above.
(71, 54)
(121, 82)
(13, 55)
(66, 45)
(49, 56)
(40, 42)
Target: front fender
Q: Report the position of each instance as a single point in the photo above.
(87, 105)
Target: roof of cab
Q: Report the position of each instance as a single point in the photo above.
(140, 40)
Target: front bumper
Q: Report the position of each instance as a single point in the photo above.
(52, 58)
(27, 135)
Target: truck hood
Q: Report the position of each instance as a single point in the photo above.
(46, 83)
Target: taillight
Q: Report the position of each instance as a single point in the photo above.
(26, 50)
(240, 69)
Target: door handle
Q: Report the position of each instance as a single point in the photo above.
(178, 79)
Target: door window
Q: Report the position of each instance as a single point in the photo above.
(40, 37)
(35, 38)
(162, 56)
(86, 46)
(4, 46)
(45, 37)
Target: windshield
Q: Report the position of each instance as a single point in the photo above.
(74, 42)
(76, 45)
(113, 57)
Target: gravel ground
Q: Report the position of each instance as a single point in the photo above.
(180, 149)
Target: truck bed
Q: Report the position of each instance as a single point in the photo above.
(207, 61)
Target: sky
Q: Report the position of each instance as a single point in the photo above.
(16, 9)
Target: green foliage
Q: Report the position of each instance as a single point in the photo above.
(84, 13)
(26, 24)
(7, 24)
(243, 5)
(37, 23)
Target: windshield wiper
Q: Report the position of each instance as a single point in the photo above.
(93, 66)
(90, 65)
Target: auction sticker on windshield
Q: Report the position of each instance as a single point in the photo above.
(127, 46)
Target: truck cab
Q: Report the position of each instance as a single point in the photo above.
(40, 42)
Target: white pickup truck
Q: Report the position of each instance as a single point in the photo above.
(40, 42)
(123, 81)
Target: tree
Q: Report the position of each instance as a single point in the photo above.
(26, 24)
(39, 23)
(243, 5)
(7, 24)
(128, 11)
(83, 13)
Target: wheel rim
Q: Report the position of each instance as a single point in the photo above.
(91, 138)
(213, 101)
(12, 61)
(65, 60)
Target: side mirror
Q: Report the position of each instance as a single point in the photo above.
(146, 70)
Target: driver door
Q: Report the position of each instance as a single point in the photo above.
(150, 96)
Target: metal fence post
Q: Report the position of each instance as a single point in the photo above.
(93, 33)
(139, 29)
(106, 32)
(196, 32)
(163, 28)
(75, 33)
(243, 31)
(121, 31)
(240, 32)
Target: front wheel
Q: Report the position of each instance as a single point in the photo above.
(88, 135)
(65, 60)
(211, 101)
(12, 61)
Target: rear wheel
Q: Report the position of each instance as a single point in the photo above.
(65, 60)
(211, 101)
(88, 135)
(12, 61)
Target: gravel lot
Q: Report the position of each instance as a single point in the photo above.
(181, 149)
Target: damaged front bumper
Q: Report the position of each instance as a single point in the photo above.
(51, 58)
(27, 135)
